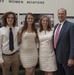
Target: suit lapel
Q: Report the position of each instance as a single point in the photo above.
(62, 31)
(55, 28)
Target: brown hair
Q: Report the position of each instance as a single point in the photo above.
(24, 28)
(49, 23)
(4, 17)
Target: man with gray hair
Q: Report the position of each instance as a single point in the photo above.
(63, 42)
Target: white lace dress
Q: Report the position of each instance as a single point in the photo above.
(28, 50)
(47, 58)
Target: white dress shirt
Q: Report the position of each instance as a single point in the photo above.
(4, 41)
(60, 27)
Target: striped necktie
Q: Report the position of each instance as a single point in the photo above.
(56, 36)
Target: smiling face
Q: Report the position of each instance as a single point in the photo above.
(45, 22)
(30, 19)
(61, 15)
(10, 19)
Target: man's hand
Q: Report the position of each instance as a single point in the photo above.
(70, 62)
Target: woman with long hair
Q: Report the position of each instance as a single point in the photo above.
(28, 50)
(47, 58)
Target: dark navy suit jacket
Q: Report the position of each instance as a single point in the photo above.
(65, 44)
(0, 25)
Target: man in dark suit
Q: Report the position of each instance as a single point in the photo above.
(0, 25)
(64, 44)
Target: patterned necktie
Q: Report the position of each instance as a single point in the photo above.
(56, 36)
(11, 40)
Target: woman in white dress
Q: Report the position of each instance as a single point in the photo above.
(47, 58)
(28, 50)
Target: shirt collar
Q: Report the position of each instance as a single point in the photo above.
(9, 27)
(61, 23)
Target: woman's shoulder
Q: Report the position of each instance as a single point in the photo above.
(52, 28)
(20, 29)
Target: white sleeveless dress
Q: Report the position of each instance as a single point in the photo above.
(47, 58)
(28, 50)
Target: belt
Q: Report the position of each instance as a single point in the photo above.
(9, 54)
